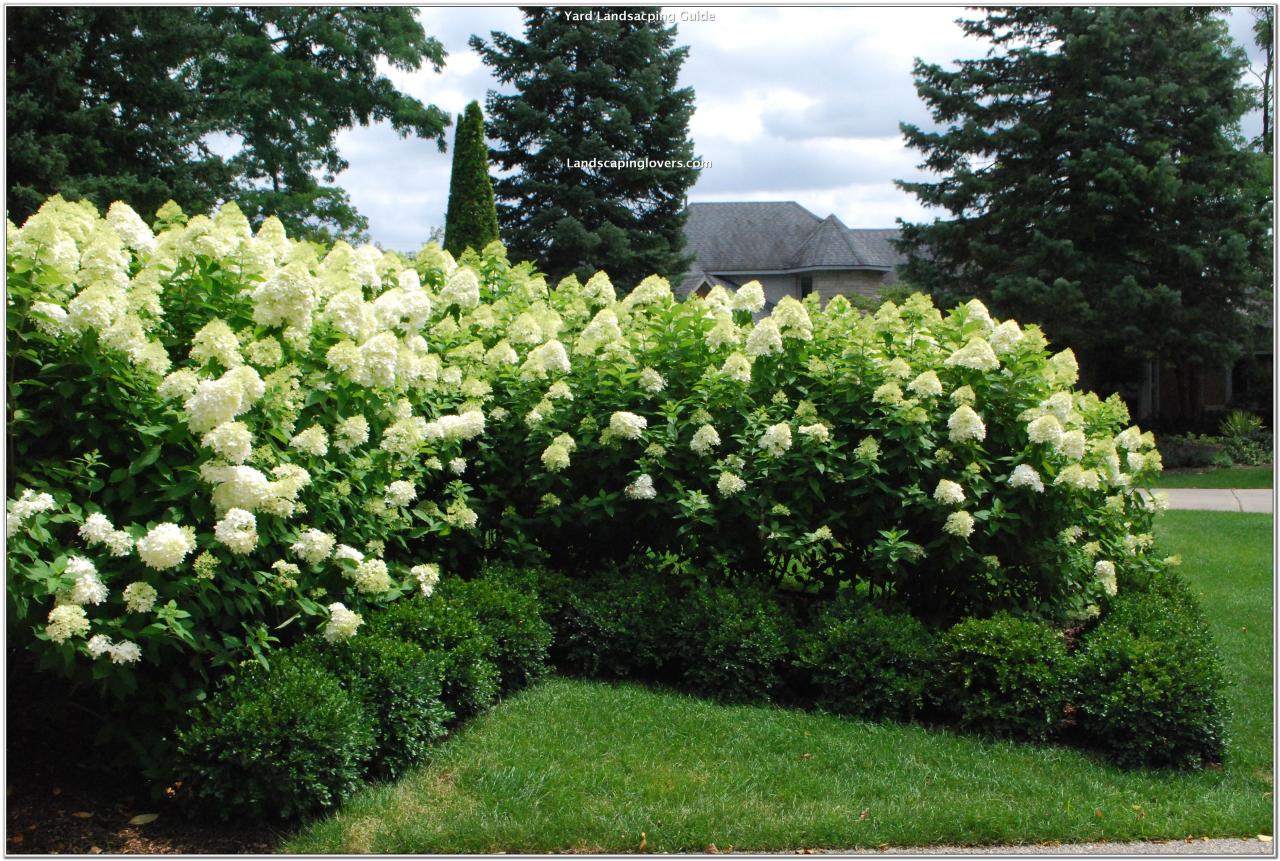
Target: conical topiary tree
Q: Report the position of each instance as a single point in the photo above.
(471, 220)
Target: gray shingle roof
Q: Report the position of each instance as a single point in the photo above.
(780, 237)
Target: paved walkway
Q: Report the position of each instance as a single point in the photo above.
(1257, 501)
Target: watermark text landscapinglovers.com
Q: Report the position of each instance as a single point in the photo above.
(633, 163)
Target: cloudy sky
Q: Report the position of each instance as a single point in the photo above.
(792, 104)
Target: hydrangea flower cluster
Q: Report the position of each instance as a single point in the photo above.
(324, 399)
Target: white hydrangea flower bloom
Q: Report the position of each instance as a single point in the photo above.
(959, 524)
(651, 381)
(139, 597)
(99, 645)
(400, 493)
(887, 393)
(182, 384)
(231, 441)
(976, 355)
(641, 488)
(350, 433)
(949, 493)
(965, 424)
(313, 546)
(1025, 475)
(737, 367)
(25, 507)
(765, 339)
(164, 546)
(926, 385)
(555, 457)
(96, 529)
(1106, 572)
(119, 543)
(371, 577)
(1005, 337)
(776, 439)
(342, 623)
(458, 465)
(704, 440)
(1129, 439)
(313, 441)
(125, 652)
(462, 289)
(1071, 445)
(88, 587)
(346, 551)
(1046, 429)
(216, 342)
(238, 530)
(428, 576)
(749, 297)
(66, 621)
(627, 425)
(49, 318)
(1078, 478)
(816, 432)
(725, 333)
(792, 319)
(979, 313)
(1063, 368)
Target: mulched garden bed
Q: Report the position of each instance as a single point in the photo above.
(60, 800)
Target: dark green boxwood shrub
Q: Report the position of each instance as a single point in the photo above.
(1003, 676)
(512, 618)
(469, 683)
(731, 642)
(1148, 685)
(400, 687)
(615, 624)
(863, 661)
(283, 743)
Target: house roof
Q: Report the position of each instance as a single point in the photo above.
(763, 237)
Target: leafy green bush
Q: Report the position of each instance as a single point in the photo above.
(285, 743)
(1148, 684)
(236, 431)
(731, 642)
(1004, 676)
(470, 680)
(400, 687)
(866, 662)
(512, 617)
(613, 624)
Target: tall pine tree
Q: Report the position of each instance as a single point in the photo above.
(592, 83)
(1097, 183)
(471, 220)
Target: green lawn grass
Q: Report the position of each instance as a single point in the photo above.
(1239, 477)
(587, 766)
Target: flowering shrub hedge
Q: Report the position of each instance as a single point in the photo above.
(220, 438)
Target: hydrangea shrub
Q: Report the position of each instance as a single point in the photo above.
(219, 437)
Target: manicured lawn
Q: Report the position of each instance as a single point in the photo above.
(575, 765)
(1238, 477)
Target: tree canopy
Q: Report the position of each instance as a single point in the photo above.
(1096, 180)
(471, 220)
(592, 84)
(113, 103)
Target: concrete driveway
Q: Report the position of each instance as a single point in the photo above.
(1256, 501)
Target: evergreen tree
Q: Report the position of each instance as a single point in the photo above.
(471, 220)
(1097, 183)
(592, 83)
(112, 103)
